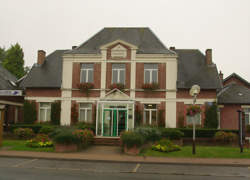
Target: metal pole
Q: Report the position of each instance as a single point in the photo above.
(194, 149)
(240, 131)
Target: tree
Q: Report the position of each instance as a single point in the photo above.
(29, 112)
(55, 113)
(211, 119)
(2, 54)
(14, 61)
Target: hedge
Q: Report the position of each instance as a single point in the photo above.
(35, 127)
(203, 133)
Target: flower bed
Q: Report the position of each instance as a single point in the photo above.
(165, 145)
(40, 141)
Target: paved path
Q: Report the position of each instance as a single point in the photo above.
(114, 154)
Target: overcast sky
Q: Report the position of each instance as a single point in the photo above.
(222, 25)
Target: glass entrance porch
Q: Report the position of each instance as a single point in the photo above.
(113, 117)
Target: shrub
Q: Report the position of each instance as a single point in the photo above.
(29, 112)
(211, 116)
(83, 125)
(46, 130)
(55, 112)
(171, 133)
(149, 133)
(85, 136)
(165, 145)
(225, 136)
(35, 127)
(130, 139)
(24, 133)
(248, 128)
(41, 140)
(66, 137)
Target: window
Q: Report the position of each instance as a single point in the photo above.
(247, 116)
(44, 111)
(118, 73)
(197, 119)
(85, 112)
(150, 73)
(87, 73)
(150, 114)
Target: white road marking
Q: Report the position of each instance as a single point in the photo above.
(25, 162)
(136, 168)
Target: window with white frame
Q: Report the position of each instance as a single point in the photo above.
(247, 116)
(85, 112)
(150, 73)
(87, 73)
(196, 117)
(150, 114)
(44, 111)
(118, 73)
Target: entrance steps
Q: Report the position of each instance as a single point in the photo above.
(110, 141)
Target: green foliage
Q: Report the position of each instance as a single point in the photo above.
(40, 141)
(35, 127)
(171, 133)
(29, 112)
(66, 137)
(165, 145)
(85, 136)
(248, 128)
(14, 61)
(225, 136)
(130, 139)
(2, 54)
(55, 113)
(46, 129)
(83, 125)
(211, 116)
(149, 133)
(24, 133)
(204, 133)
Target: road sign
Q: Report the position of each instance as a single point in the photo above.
(11, 92)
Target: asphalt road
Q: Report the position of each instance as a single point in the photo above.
(40, 169)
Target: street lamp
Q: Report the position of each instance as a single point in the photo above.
(194, 91)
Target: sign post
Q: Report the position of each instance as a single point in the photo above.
(240, 131)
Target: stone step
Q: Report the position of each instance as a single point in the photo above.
(107, 141)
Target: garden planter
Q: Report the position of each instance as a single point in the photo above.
(132, 150)
(65, 147)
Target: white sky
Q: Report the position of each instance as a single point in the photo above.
(223, 25)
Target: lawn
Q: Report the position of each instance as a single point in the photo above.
(201, 152)
(19, 145)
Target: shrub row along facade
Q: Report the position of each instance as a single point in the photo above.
(121, 78)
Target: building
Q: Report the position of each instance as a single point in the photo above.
(136, 80)
(234, 96)
(11, 98)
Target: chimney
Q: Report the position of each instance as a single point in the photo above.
(172, 48)
(221, 76)
(41, 56)
(209, 57)
(73, 47)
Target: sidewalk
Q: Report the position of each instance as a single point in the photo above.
(113, 154)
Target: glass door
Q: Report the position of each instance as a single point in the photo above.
(107, 122)
(122, 121)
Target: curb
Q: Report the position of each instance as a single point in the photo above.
(128, 161)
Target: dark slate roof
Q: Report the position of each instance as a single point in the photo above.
(192, 69)
(6, 78)
(234, 94)
(47, 75)
(146, 41)
(234, 75)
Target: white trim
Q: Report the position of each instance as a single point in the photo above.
(86, 101)
(10, 103)
(86, 109)
(150, 102)
(46, 111)
(119, 70)
(245, 106)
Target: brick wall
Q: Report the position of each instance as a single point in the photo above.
(229, 117)
(206, 94)
(43, 92)
(237, 81)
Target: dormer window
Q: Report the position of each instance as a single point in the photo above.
(87, 73)
(118, 73)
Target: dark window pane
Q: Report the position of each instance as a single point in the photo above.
(87, 66)
(90, 76)
(118, 66)
(154, 76)
(83, 76)
(147, 76)
(122, 76)
(150, 66)
(115, 76)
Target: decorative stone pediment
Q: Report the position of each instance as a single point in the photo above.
(116, 94)
(118, 41)
(119, 51)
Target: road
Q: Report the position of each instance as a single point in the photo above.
(41, 169)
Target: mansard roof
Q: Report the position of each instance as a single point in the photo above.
(141, 37)
(192, 69)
